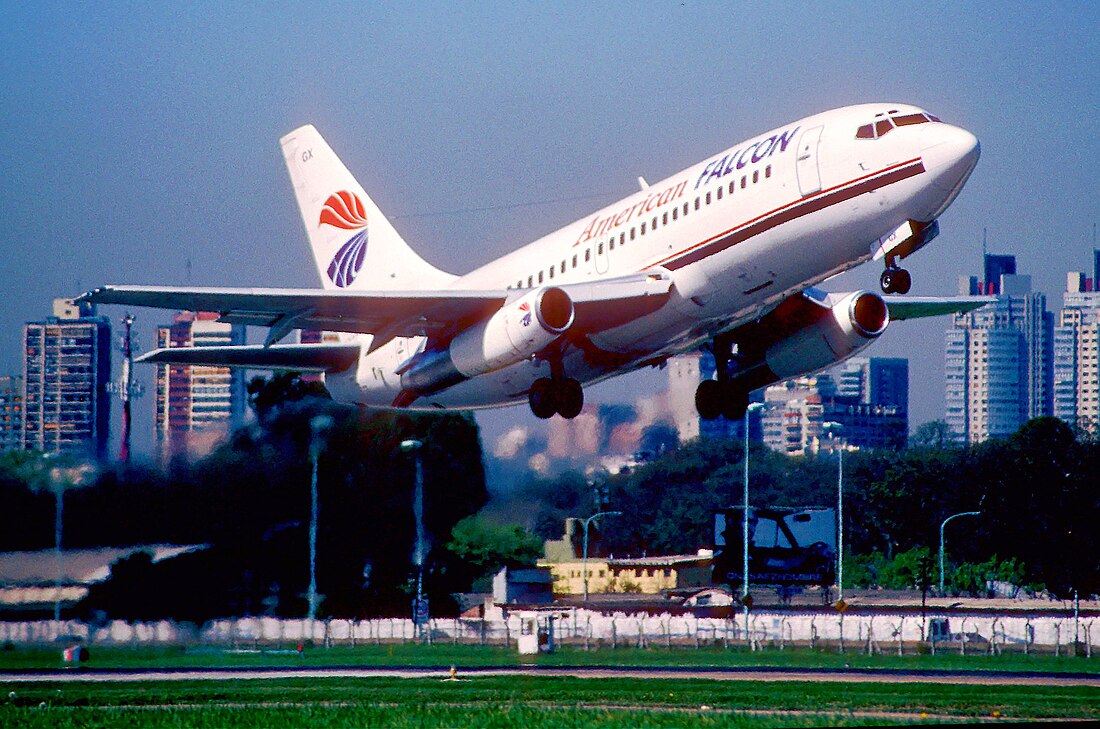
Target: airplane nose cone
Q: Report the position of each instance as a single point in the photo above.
(949, 154)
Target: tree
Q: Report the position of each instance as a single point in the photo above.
(486, 547)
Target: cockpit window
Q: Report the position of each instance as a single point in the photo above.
(909, 119)
(883, 125)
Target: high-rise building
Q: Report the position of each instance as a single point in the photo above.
(197, 405)
(999, 360)
(685, 372)
(1076, 361)
(997, 265)
(11, 413)
(867, 396)
(66, 366)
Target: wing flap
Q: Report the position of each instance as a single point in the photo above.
(325, 357)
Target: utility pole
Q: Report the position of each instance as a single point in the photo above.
(127, 388)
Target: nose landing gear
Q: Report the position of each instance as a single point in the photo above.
(895, 280)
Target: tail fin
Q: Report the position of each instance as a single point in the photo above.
(338, 215)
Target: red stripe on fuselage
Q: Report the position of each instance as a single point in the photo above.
(791, 211)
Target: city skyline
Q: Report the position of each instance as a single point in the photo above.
(136, 159)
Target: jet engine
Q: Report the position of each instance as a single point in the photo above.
(851, 324)
(521, 328)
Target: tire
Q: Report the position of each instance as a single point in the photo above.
(708, 399)
(734, 403)
(570, 399)
(902, 281)
(543, 398)
(886, 281)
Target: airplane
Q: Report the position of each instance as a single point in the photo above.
(725, 255)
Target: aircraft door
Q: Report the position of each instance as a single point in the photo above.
(601, 254)
(809, 176)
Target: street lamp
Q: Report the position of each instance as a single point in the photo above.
(832, 428)
(753, 407)
(953, 516)
(318, 426)
(413, 446)
(585, 523)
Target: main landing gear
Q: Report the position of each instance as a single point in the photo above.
(563, 396)
(895, 280)
(721, 397)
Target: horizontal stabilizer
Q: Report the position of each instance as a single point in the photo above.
(918, 307)
(325, 357)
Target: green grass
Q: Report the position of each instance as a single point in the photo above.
(469, 656)
(527, 701)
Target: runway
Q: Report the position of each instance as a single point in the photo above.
(989, 678)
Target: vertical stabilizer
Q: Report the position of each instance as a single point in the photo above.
(353, 244)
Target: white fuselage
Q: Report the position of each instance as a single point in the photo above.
(737, 233)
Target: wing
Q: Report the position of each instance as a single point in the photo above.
(292, 357)
(917, 307)
(599, 304)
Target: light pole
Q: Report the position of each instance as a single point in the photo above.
(413, 446)
(953, 516)
(753, 407)
(584, 561)
(833, 427)
(318, 426)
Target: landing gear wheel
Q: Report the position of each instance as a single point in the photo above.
(543, 398)
(902, 281)
(895, 281)
(708, 399)
(734, 403)
(570, 398)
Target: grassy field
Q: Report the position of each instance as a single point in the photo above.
(527, 701)
(443, 655)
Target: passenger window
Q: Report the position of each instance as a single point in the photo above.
(768, 171)
(587, 255)
(685, 208)
(731, 187)
(631, 234)
(674, 211)
(719, 193)
(530, 281)
(574, 261)
(755, 176)
(622, 238)
(708, 198)
(664, 219)
(696, 203)
(643, 228)
(744, 181)
(654, 226)
(611, 245)
(599, 249)
(563, 266)
(551, 272)
(540, 276)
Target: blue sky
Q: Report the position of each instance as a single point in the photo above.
(140, 140)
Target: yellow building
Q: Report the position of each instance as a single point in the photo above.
(647, 575)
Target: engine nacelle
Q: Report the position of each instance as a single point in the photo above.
(852, 323)
(520, 328)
